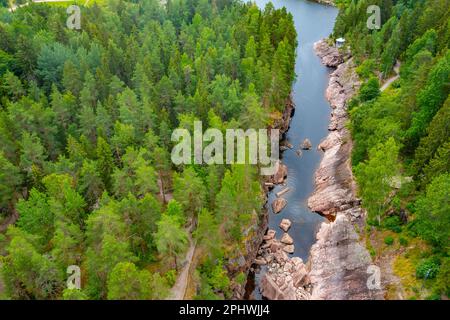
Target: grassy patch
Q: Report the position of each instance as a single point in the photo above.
(406, 271)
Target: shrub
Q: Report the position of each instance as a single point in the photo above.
(392, 223)
(366, 69)
(389, 240)
(369, 90)
(411, 207)
(433, 296)
(403, 241)
(442, 285)
(171, 277)
(396, 203)
(428, 269)
(241, 278)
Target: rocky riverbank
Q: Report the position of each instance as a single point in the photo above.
(245, 259)
(327, 2)
(339, 262)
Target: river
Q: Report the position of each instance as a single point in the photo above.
(313, 22)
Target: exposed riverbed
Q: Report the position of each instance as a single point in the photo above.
(313, 22)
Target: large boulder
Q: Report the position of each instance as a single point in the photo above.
(278, 205)
(285, 225)
(271, 290)
(287, 239)
(281, 172)
(289, 249)
(306, 145)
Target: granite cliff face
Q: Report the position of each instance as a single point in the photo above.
(338, 261)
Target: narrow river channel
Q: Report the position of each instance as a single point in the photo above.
(313, 22)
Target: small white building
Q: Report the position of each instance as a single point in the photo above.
(340, 42)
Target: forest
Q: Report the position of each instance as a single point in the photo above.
(401, 156)
(86, 118)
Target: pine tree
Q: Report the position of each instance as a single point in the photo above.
(171, 239)
(10, 180)
(105, 165)
(190, 191)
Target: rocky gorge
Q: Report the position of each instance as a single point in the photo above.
(339, 262)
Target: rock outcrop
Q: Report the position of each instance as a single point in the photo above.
(327, 2)
(339, 263)
(278, 205)
(338, 260)
(242, 259)
(334, 186)
(329, 54)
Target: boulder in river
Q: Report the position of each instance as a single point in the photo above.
(285, 225)
(289, 248)
(287, 239)
(278, 205)
(306, 145)
(281, 172)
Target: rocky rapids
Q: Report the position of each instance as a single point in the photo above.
(338, 264)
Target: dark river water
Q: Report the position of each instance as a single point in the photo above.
(313, 22)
